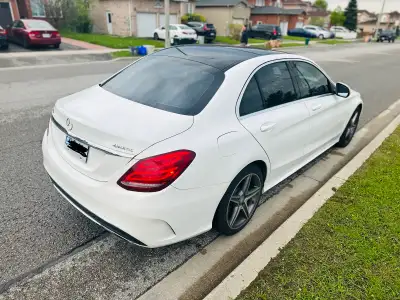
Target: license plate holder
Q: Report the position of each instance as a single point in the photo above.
(77, 148)
(46, 35)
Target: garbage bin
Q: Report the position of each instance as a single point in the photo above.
(307, 41)
(200, 39)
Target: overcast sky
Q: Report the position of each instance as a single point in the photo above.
(371, 5)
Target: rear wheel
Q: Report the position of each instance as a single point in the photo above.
(350, 129)
(57, 46)
(321, 36)
(25, 43)
(156, 37)
(240, 201)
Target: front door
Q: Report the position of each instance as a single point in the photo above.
(325, 117)
(284, 27)
(270, 112)
(109, 22)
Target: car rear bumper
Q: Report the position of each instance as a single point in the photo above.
(44, 41)
(3, 42)
(146, 219)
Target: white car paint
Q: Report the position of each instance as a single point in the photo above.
(320, 32)
(180, 31)
(343, 32)
(121, 133)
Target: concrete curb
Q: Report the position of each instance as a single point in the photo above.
(248, 270)
(196, 278)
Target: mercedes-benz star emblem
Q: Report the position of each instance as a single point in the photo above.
(69, 124)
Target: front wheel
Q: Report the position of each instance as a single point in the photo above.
(350, 130)
(240, 201)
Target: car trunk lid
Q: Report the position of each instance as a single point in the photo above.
(98, 132)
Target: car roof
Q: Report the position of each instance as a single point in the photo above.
(220, 57)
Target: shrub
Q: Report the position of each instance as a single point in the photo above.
(235, 31)
(193, 18)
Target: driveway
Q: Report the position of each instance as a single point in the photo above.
(17, 48)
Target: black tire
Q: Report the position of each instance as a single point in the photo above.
(321, 36)
(234, 201)
(350, 129)
(156, 37)
(25, 43)
(57, 46)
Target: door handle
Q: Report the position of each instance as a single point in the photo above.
(267, 127)
(316, 107)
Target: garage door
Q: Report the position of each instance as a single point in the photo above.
(5, 14)
(145, 24)
(173, 19)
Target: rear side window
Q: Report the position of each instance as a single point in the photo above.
(276, 84)
(251, 100)
(167, 83)
(312, 82)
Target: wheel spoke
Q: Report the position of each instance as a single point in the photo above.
(252, 193)
(235, 214)
(235, 199)
(246, 184)
(245, 210)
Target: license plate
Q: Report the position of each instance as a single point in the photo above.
(77, 148)
(46, 35)
(212, 34)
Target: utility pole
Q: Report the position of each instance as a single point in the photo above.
(166, 13)
(378, 22)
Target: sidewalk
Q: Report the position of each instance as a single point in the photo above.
(350, 249)
(84, 45)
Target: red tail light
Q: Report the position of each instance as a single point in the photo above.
(156, 173)
(274, 32)
(55, 34)
(35, 34)
(2, 31)
(205, 27)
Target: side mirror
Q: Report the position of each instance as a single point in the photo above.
(342, 90)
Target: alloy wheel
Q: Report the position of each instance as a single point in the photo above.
(352, 127)
(243, 201)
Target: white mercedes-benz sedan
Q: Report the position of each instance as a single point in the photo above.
(187, 139)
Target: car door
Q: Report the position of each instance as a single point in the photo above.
(325, 115)
(19, 32)
(269, 111)
(12, 31)
(161, 33)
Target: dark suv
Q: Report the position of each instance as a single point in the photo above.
(3, 38)
(204, 29)
(387, 35)
(265, 31)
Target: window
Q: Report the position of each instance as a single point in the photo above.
(38, 24)
(276, 84)
(37, 8)
(312, 82)
(251, 100)
(183, 27)
(260, 3)
(171, 84)
(172, 27)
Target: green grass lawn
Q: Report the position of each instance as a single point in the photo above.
(297, 38)
(111, 41)
(334, 42)
(350, 249)
(121, 54)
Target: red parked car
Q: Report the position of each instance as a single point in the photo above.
(33, 33)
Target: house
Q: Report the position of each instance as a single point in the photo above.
(135, 17)
(11, 10)
(364, 16)
(221, 13)
(367, 21)
(285, 18)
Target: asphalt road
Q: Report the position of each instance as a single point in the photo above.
(73, 258)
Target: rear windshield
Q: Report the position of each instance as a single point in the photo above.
(167, 83)
(38, 24)
(184, 27)
(387, 32)
(210, 25)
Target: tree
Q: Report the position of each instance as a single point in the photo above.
(351, 15)
(322, 4)
(337, 17)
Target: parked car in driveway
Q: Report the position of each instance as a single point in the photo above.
(319, 31)
(265, 31)
(386, 35)
(180, 32)
(343, 32)
(33, 33)
(204, 29)
(193, 136)
(3, 38)
(301, 32)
